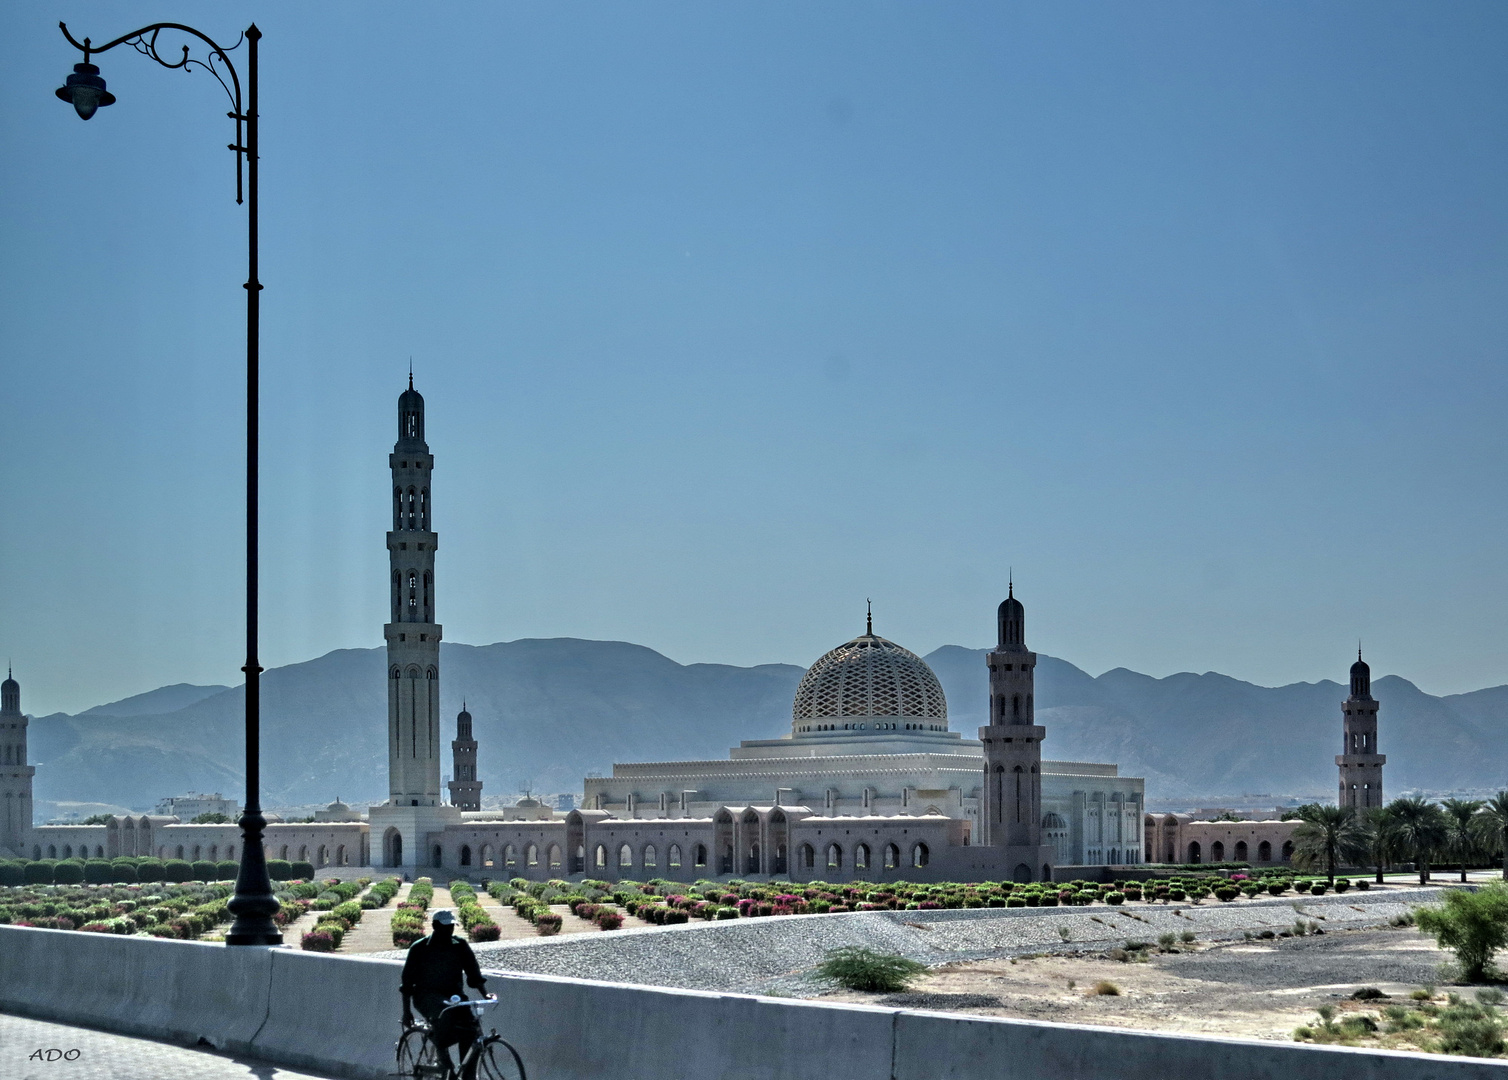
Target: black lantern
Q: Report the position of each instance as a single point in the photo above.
(85, 90)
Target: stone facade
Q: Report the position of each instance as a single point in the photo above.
(1178, 838)
(15, 773)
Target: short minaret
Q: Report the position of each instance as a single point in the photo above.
(1012, 805)
(1359, 762)
(465, 789)
(15, 774)
(413, 636)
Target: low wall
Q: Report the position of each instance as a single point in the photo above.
(339, 1015)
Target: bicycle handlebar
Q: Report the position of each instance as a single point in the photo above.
(476, 1005)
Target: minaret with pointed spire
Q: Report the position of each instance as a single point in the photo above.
(1359, 762)
(413, 634)
(465, 788)
(15, 773)
(1011, 807)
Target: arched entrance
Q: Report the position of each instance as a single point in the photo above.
(392, 848)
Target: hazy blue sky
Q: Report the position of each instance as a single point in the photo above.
(729, 316)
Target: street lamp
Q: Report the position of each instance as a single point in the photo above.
(253, 904)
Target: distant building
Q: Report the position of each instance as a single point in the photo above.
(15, 773)
(188, 807)
(1359, 762)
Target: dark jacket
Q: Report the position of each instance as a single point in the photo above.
(433, 971)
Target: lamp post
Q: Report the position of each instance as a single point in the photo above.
(253, 904)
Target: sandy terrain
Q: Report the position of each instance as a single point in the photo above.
(1259, 989)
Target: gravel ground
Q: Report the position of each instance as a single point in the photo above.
(775, 955)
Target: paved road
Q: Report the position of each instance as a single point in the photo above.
(102, 1056)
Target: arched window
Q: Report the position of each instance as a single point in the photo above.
(553, 857)
(67, 851)
(673, 857)
(487, 855)
(1264, 852)
(625, 856)
(397, 509)
(465, 854)
(1217, 851)
(601, 859)
(920, 855)
(1287, 850)
(701, 855)
(834, 857)
(413, 596)
(428, 603)
(36, 853)
(1194, 852)
(424, 508)
(230, 852)
(180, 851)
(413, 509)
(892, 856)
(531, 855)
(439, 856)
(397, 602)
(283, 853)
(861, 857)
(1241, 851)
(649, 857)
(197, 856)
(99, 851)
(510, 857)
(214, 852)
(808, 857)
(340, 856)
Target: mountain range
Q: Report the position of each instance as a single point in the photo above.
(548, 711)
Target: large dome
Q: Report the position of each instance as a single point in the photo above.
(866, 680)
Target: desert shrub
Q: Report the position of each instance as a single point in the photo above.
(280, 870)
(1367, 993)
(549, 924)
(318, 940)
(302, 869)
(856, 968)
(1469, 1030)
(1104, 988)
(1473, 925)
(609, 920)
(68, 872)
(485, 931)
(350, 911)
(725, 913)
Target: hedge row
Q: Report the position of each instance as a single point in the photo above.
(131, 871)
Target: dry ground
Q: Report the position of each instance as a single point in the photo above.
(1257, 989)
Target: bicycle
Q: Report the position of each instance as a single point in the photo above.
(490, 1057)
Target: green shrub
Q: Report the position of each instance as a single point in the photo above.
(123, 871)
(68, 872)
(204, 870)
(857, 968)
(177, 870)
(302, 869)
(486, 931)
(150, 870)
(1473, 925)
(40, 872)
(280, 869)
(98, 872)
(226, 870)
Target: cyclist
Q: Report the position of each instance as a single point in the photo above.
(432, 973)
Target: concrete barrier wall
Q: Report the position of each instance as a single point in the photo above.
(340, 1015)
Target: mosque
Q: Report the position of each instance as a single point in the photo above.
(871, 782)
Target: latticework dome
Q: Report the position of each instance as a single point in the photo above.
(869, 684)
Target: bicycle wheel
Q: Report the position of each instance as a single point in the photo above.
(499, 1061)
(418, 1058)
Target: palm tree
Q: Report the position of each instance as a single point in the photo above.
(1329, 836)
(1382, 837)
(1461, 835)
(1492, 827)
(1420, 829)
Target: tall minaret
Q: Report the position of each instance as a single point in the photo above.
(15, 774)
(465, 789)
(1360, 763)
(1012, 803)
(413, 636)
